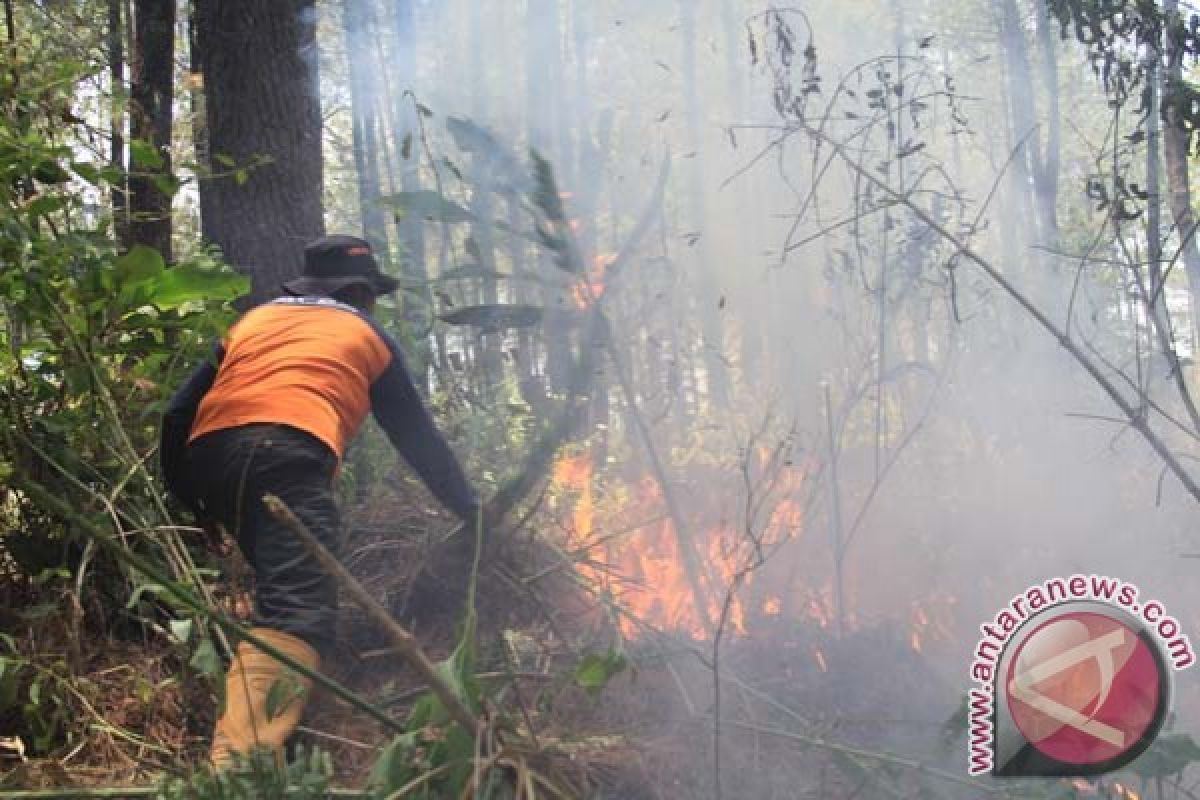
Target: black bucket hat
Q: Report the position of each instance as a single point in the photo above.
(335, 262)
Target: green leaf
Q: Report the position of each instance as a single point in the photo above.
(144, 154)
(10, 682)
(282, 694)
(394, 766)
(205, 660)
(189, 284)
(428, 204)
(145, 588)
(181, 630)
(139, 264)
(50, 172)
(166, 183)
(45, 204)
(595, 671)
(545, 192)
(88, 172)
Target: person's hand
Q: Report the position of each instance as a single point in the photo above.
(214, 537)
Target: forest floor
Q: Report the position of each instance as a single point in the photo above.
(797, 702)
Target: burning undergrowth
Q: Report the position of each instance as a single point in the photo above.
(597, 639)
(597, 642)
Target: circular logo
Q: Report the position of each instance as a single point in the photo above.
(1085, 689)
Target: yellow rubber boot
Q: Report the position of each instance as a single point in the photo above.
(246, 723)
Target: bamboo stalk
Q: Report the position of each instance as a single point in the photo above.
(406, 644)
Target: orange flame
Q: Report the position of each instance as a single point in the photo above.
(591, 285)
(930, 620)
(645, 572)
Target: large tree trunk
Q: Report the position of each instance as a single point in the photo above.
(260, 71)
(151, 113)
(1175, 149)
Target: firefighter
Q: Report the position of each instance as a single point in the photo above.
(272, 413)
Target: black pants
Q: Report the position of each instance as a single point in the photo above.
(231, 470)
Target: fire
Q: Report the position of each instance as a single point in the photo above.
(591, 285)
(930, 620)
(576, 473)
(646, 573)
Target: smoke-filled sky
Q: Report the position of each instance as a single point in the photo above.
(999, 463)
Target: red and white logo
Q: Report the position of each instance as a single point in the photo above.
(1084, 688)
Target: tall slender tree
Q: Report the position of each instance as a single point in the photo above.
(707, 297)
(1046, 178)
(116, 78)
(364, 102)
(1176, 140)
(152, 97)
(259, 59)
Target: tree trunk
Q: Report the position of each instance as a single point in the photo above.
(544, 69)
(199, 119)
(1046, 179)
(364, 106)
(116, 77)
(264, 118)
(405, 134)
(707, 299)
(152, 98)
(1175, 148)
(1022, 114)
(489, 344)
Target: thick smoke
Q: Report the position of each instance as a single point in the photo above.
(1010, 466)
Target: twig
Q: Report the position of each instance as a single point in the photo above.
(406, 644)
(835, 516)
(1136, 419)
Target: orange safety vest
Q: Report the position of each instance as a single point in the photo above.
(306, 364)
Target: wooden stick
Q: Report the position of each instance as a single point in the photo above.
(406, 644)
